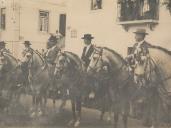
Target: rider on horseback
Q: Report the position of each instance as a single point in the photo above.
(27, 49)
(3, 48)
(88, 50)
(139, 56)
(26, 53)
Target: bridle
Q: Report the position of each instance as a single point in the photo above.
(100, 53)
(60, 68)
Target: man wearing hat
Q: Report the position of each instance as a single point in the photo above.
(137, 59)
(3, 48)
(52, 41)
(141, 46)
(88, 49)
(27, 48)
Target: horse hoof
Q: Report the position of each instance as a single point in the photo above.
(77, 124)
(71, 123)
(108, 120)
(40, 113)
(33, 115)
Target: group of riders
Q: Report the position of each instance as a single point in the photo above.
(137, 55)
(137, 58)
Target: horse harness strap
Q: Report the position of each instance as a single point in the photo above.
(100, 57)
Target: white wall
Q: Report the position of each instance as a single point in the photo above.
(22, 23)
(102, 24)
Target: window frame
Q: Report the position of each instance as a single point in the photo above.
(3, 20)
(93, 8)
(48, 20)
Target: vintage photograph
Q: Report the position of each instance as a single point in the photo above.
(85, 63)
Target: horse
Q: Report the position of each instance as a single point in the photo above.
(157, 85)
(11, 77)
(37, 77)
(55, 91)
(68, 71)
(108, 63)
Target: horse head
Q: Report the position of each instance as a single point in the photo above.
(51, 54)
(32, 61)
(62, 63)
(27, 60)
(98, 62)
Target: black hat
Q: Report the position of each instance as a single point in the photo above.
(87, 36)
(52, 38)
(2, 43)
(141, 31)
(27, 42)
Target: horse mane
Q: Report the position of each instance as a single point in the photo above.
(9, 55)
(161, 48)
(37, 53)
(115, 53)
(12, 64)
(73, 58)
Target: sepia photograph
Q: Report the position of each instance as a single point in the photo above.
(85, 63)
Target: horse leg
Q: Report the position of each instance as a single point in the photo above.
(78, 112)
(33, 112)
(116, 114)
(73, 113)
(116, 118)
(61, 108)
(125, 114)
(102, 114)
(155, 113)
(54, 103)
(40, 106)
(147, 113)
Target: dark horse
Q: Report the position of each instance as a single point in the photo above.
(11, 76)
(158, 84)
(38, 80)
(119, 82)
(68, 71)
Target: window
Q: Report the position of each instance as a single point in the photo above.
(3, 19)
(129, 10)
(44, 21)
(96, 4)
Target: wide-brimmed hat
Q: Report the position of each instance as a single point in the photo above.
(2, 43)
(141, 31)
(87, 36)
(27, 42)
(52, 38)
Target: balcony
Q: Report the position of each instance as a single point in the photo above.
(132, 12)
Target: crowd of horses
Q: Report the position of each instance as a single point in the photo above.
(107, 80)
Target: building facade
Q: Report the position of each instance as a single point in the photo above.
(31, 20)
(112, 23)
